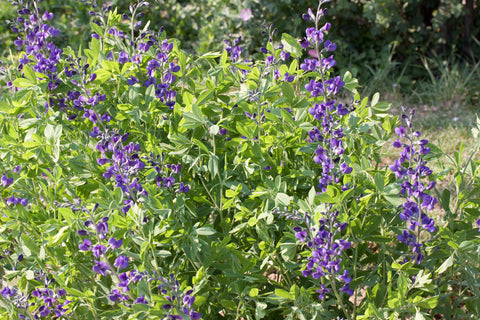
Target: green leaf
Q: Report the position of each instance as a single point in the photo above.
(29, 74)
(260, 310)
(283, 294)
(288, 251)
(381, 107)
(213, 165)
(428, 303)
(229, 304)
(288, 92)
(192, 119)
(375, 99)
(125, 107)
(325, 198)
(283, 199)
(379, 182)
(419, 316)
(290, 44)
(199, 275)
(351, 83)
(206, 231)
(112, 66)
(394, 200)
(102, 76)
(96, 28)
(253, 292)
(445, 199)
(402, 286)
(445, 265)
(23, 83)
(60, 236)
(204, 97)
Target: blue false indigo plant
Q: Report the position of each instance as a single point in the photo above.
(323, 236)
(140, 181)
(411, 171)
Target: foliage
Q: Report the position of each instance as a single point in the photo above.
(143, 181)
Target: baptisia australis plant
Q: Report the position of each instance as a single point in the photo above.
(412, 172)
(6, 182)
(35, 35)
(44, 301)
(252, 134)
(99, 240)
(42, 59)
(323, 236)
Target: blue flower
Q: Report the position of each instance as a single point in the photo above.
(121, 262)
(101, 267)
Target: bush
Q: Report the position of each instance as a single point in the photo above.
(142, 181)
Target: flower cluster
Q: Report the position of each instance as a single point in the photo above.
(411, 170)
(35, 37)
(45, 300)
(160, 73)
(274, 56)
(124, 163)
(326, 246)
(126, 279)
(5, 182)
(328, 112)
(323, 237)
(17, 298)
(123, 159)
(100, 231)
(180, 304)
(80, 99)
(46, 59)
(330, 144)
(159, 66)
(233, 49)
(165, 173)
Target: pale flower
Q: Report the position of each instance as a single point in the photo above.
(246, 14)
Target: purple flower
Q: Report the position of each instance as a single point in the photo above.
(102, 228)
(284, 55)
(400, 131)
(409, 169)
(397, 144)
(101, 267)
(6, 181)
(322, 292)
(183, 188)
(47, 16)
(86, 245)
(288, 78)
(330, 46)
(98, 250)
(132, 80)
(168, 182)
(7, 292)
(116, 296)
(121, 262)
(300, 234)
(347, 290)
(345, 169)
(115, 244)
(141, 300)
(123, 57)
